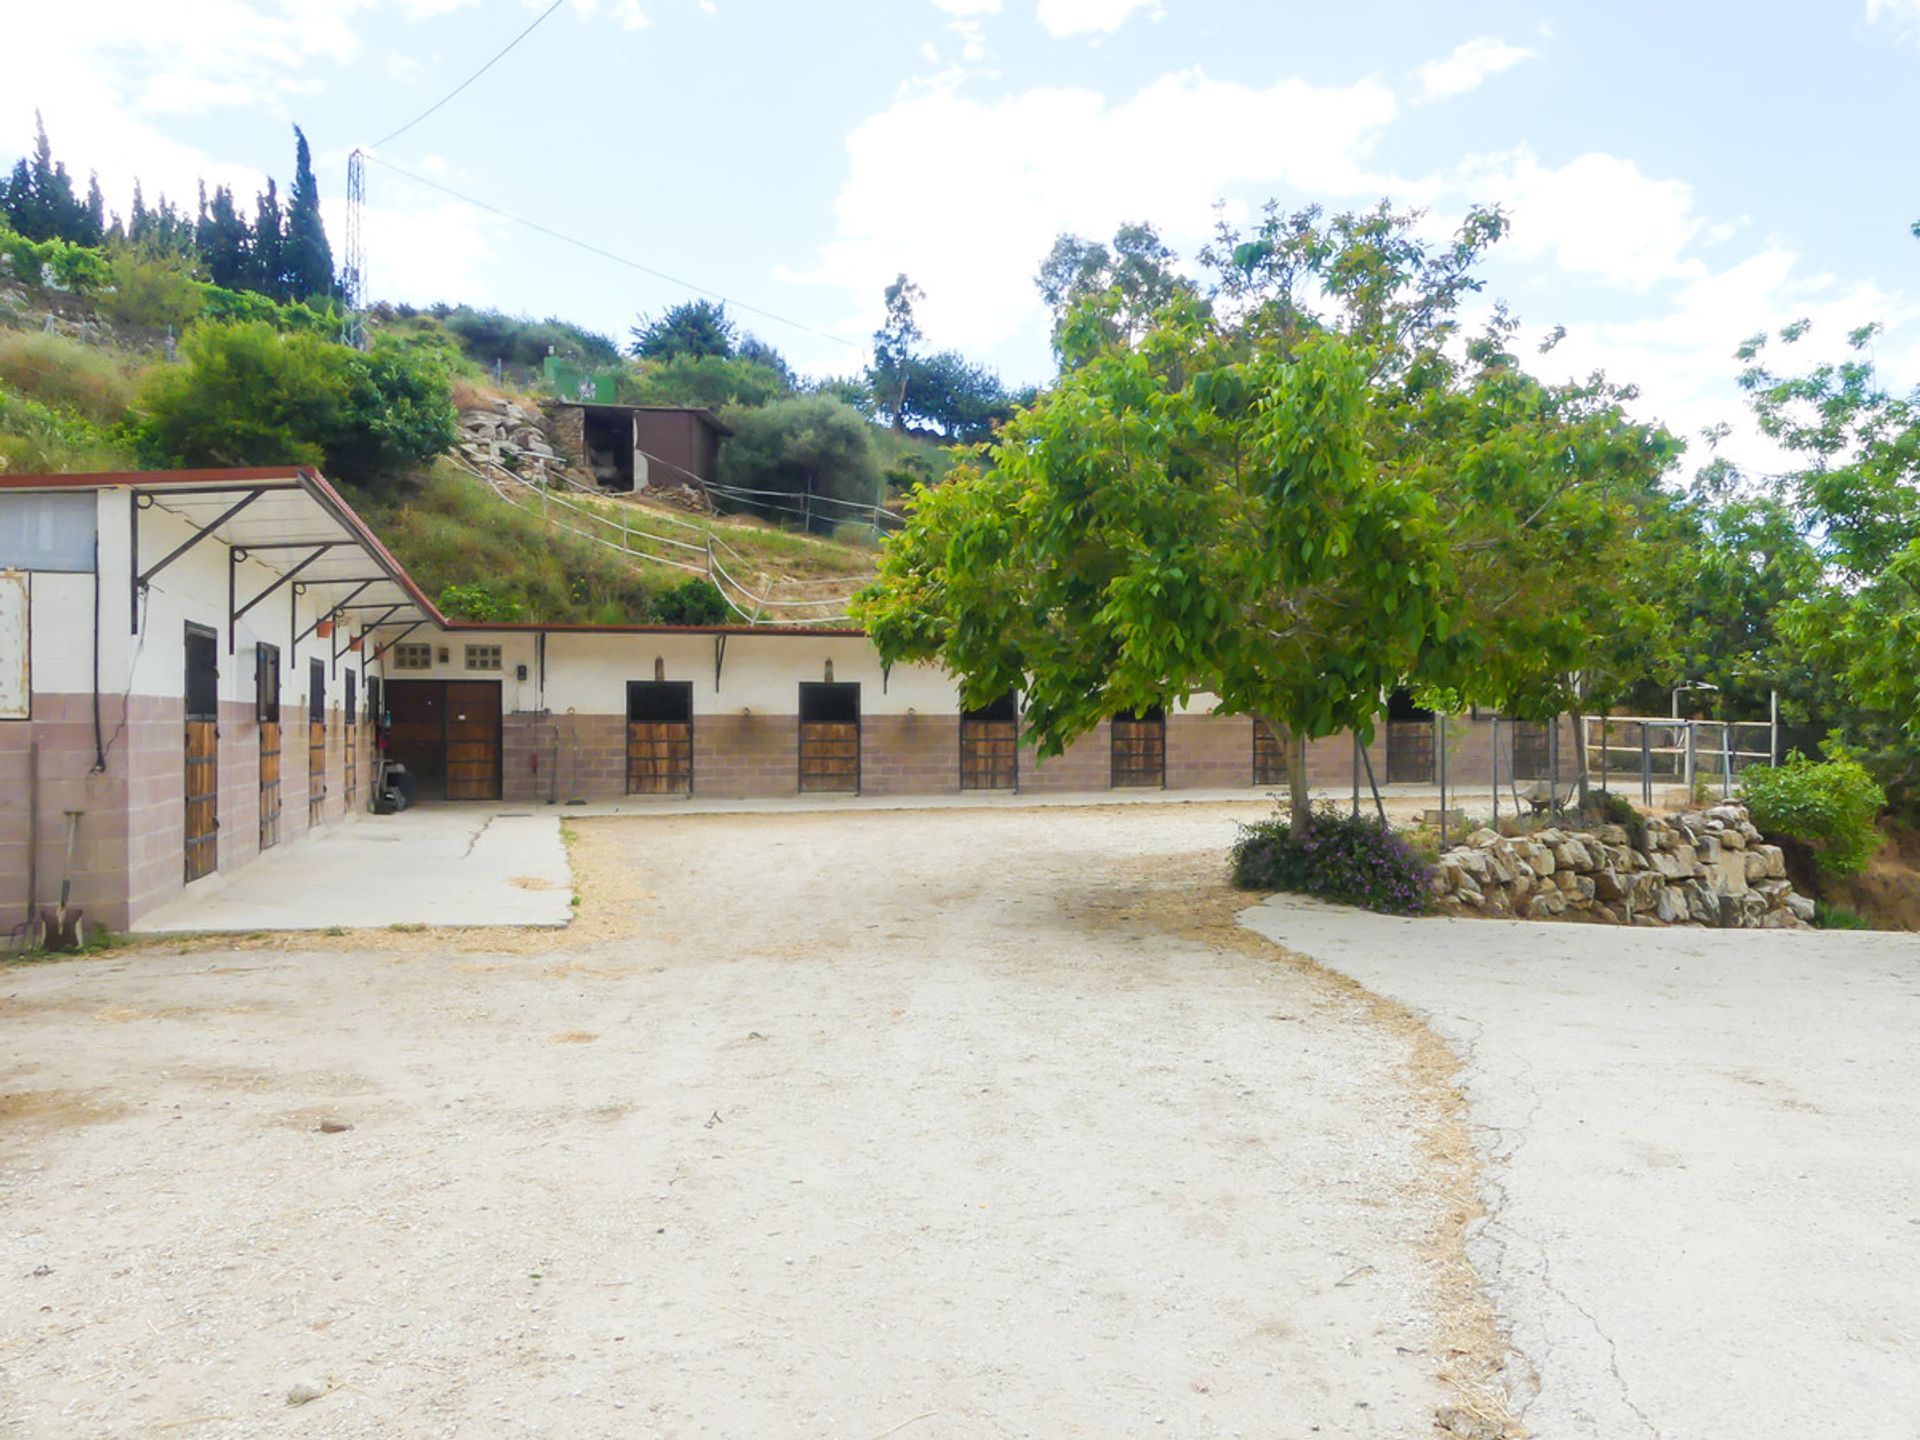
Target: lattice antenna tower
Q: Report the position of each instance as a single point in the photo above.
(353, 274)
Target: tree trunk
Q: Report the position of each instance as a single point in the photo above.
(1298, 802)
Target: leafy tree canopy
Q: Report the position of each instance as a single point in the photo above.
(695, 328)
(1293, 495)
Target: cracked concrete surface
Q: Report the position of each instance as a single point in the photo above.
(1702, 1162)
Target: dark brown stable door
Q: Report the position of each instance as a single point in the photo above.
(266, 710)
(473, 739)
(1140, 749)
(829, 737)
(316, 742)
(1410, 752)
(659, 737)
(990, 746)
(202, 753)
(1269, 755)
(1530, 752)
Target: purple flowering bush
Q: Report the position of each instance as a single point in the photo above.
(1354, 860)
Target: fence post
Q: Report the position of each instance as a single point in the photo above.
(1773, 727)
(1726, 747)
(1693, 755)
(1646, 765)
(1356, 774)
(1493, 754)
(1605, 725)
(1440, 724)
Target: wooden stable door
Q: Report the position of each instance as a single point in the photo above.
(1140, 749)
(266, 712)
(1410, 752)
(269, 784)
(659, 737)
(990, 746)
(829, 738)
(202, 753)
(316, 742)
(1269, 755)
(473, 739)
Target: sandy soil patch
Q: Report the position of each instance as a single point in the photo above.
(925, 1123)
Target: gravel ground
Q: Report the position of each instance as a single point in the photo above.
(957, 1124)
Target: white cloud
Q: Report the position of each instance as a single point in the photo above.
(1467, 67)
(968, 7)
(1063, 18)
(1596, 216)
(1071, 160)
(440, 251)
(1903, 16)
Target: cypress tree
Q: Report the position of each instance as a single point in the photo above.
(308, 258)
(269, 245)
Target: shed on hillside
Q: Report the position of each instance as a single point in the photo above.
(640, 447)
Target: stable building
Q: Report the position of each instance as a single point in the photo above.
(195, 665)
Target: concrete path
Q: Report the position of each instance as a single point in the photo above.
(1704, 1162)
(438, 865)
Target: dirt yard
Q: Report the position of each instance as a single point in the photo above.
(892, 1124)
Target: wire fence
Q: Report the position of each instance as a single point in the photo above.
(700, 556)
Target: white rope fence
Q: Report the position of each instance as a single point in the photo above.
(700, 558)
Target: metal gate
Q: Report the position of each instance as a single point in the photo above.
(1269, 755)
(659, 737)
(1140, 749)
(1410, 752)
(990, 746)
(266, 714)
(202, 754)
(829, 737)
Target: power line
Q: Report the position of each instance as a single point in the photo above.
(592, 249)
(473, 77)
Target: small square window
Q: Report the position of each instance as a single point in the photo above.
(483, 657)
(413, 657)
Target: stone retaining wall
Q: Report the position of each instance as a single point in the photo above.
(1706, 867)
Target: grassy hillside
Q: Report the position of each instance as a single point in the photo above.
(68, 405)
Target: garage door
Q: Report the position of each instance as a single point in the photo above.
(829, 737)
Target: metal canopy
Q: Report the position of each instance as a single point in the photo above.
(277, 526)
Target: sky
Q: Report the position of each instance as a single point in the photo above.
(1678, 176)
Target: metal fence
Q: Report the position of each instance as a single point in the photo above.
(1623, 749)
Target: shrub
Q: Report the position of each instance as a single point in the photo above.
(1606, 808)
(53, 264)
(247, 394)
(804, 444)
(692, 602)
(1354, 860)
(1837, 917)
(474, 601)
(36, 439)
(65, 375)
(1831, 805)
(153, 291)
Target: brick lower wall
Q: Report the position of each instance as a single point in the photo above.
(1086, 764)
(59, 742)
(1209, 752)
(746, 756)
(910, 755)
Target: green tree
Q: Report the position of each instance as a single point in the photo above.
(961, 400)
(1294, 494)
(694, 329)
(307, 259)
(893, 344)
(1138, 271)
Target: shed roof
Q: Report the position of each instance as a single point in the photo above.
(699, 412)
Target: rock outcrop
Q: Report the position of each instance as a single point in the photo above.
(1706, 867)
